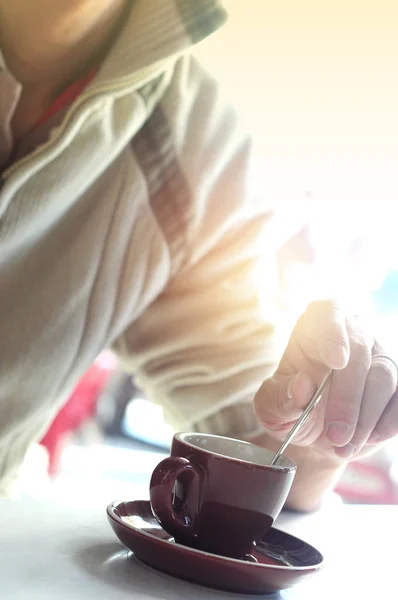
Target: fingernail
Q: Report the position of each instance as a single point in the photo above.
(339, 433)
(375, 438)
(291, 386)
(346, 452)
(336, 355)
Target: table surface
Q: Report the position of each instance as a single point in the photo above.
(50, 551)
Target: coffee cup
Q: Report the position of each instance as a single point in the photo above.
(218, 494)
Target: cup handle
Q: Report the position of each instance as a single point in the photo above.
(161, 490)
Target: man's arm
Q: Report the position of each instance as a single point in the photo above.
(211, 342)
(205, 346)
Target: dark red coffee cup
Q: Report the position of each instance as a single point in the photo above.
(219, 494)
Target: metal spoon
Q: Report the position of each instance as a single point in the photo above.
(313, 403)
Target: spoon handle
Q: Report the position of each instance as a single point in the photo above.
(306, 413)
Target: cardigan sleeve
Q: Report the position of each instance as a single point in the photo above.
(204, 346)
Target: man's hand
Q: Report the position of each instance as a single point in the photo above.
(358, 411)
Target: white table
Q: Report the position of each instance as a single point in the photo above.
(54, 552)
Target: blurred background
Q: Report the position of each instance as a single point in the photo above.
(315, 84)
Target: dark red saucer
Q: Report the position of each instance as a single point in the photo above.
(278, 562)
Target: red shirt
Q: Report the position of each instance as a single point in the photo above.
(66, 98)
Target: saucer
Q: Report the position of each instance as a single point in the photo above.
(278, 562)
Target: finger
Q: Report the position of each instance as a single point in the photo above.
(281, 399)
(322, 334)
(387, 426)
(347, 389)
(380, 386)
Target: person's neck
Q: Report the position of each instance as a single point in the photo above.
(47, 44)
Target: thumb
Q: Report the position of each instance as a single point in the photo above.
(282, 398)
